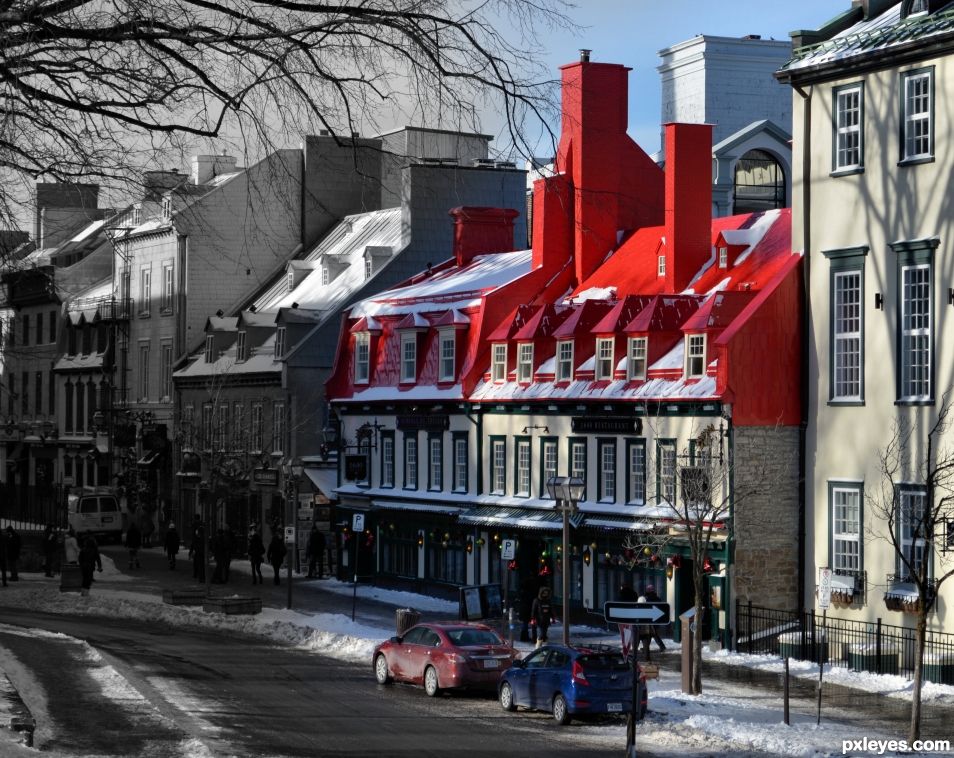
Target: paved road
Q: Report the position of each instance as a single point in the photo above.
(244, 697)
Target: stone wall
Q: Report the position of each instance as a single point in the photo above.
(766, 516)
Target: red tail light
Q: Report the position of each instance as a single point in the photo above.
(579, 676)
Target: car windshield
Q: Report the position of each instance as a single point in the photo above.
(466, 637)
(602, 661)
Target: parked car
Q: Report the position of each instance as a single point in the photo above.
(570, 681)
(96, 512)
(444, 656)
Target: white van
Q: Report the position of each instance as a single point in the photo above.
(96, 513)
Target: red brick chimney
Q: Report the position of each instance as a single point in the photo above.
(482, 230)
(688, 202)
(604, 181)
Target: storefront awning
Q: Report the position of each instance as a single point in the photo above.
(392, 505)
(515, 518)
(325, 480)
(148, 459)
(622, 524)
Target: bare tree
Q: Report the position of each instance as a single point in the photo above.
(914, 521)
(93, 90)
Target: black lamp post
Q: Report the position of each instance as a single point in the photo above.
(566, 491)
(292, 471)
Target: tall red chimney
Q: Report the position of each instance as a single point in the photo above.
(482, 230)
(688, 202)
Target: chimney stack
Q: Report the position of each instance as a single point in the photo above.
(688, 202)
(480, 230)
(207, 167)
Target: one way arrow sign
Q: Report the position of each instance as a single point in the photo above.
(651, 614)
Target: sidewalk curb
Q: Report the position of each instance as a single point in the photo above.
(15, 713)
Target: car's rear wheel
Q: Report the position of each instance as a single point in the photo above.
(506, 697)
(561, 711)
(431, 685)
(381, 673)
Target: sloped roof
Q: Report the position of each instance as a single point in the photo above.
(718, 311)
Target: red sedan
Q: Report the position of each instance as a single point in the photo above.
(444, 656)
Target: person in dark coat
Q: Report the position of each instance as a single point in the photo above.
(256, 553)
(316, 553)
(133, 542)
(88, 560)
(528, 593)
(50, 546)
(171, 545)
(197, 550)
(541, 615)
(3, 557)
(228, 550)
(276, 554)
(13, 553)
(652, 597)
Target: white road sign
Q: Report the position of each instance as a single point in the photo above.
(508, 549)
(824, 588)
(654, 614)
(357, 522)
(289, 535)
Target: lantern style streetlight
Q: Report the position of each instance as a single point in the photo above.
(566, 492)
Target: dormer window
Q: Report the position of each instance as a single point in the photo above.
(325, 275)
(604, 359)
(368, 267)
(241, 349)
(525, 362)
(498, 363)
(564, 362)
(362, 357)
(279, 343)
(409, 357)
(290, 280)
(448, 349)
(209, 348)
(636, 368)
(723, 257)
(137, 215)
(695, 355)
(661, 265)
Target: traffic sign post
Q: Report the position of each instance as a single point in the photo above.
(508, 549)
(824, 602)
(646, 614)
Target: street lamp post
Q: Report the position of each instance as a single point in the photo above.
(292, 471)
(566, 491)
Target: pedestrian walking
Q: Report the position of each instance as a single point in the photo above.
(171, 545)
(276, 553)
(133, 542)
(197, 550)
(528, 594)
(228, 550)
(219, 555)
(653, 597)
(13, 553)
(71, 548)
(88, 560)
(50, 544)
(3, 558)
(541, 615)
(315, 553)
(256, 553)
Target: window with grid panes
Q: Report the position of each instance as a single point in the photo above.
(280, 342)
(460, 464)
(145, 291)
(387, 461)
(278, 427)
(723, 257)
(661, 265)
(524, 362)
(564, 367)
(849, 127)
(144, 371)
(258, 427)
(549, 465)
(846, 541)
(410, 461)
(436, 445)
(607, 453)
(238, 426)
(916, 337)
(448, 347)
(523, 468)
(498, 463)
(637, 358)
(914, 522)
(636, 472)
(667, 471)
(578, 460)
(916, 116)
(846, 336)
(695, 355)
(498, 363)
(167, 288)
(408, 357)
(604, 359)
(362, 357)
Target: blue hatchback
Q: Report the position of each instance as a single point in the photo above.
(568, 682)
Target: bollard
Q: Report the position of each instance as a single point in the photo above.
(785, 716)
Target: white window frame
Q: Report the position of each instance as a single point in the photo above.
(917, 336)
(144, 370)
(636, 471)
(279, 343)
(723, 256)
(849, 128)
(278, 426)
(368, 267)
(168, 288)
(498, 472)
(410, 462)
(578, 459)
(695, 356)
(661, 265)
(145, 290)
(605, 353)
(435, 447)
(241, 339)
(550, 452)
(498, 362)
(525, 362)
(408, 358)
(917, 92)
(847, 344)
(906, 495)
(448, 355)
(666, 450)
(290, 280)
(607, 459)
(522, 483)
(362, 357)
(325, 276)
(636, 363)
(564, 361)
(209, 348)
(387, 461)
(165, 351)
(461, 464)
(847, 544)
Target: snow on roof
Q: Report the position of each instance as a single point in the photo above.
(454, 287)
(594, 293)
(364, 394)
(261, 359)
(87, 231)
(150, 225)
(223, 323)
(620, 389)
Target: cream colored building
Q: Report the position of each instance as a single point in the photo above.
(872, 214)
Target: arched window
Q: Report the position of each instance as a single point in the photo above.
(759, 183)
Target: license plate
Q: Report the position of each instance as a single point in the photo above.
(491, 663)
(107, 519)
(614, 707)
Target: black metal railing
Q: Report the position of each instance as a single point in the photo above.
(29, 508)
(874, 646)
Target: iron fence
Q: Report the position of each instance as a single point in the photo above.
(874, 647)
(32, 507)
